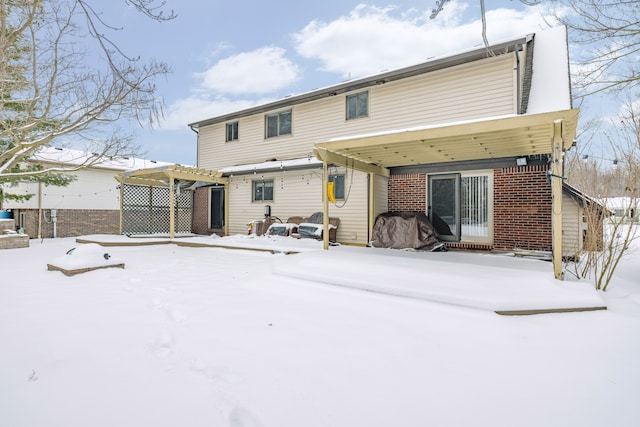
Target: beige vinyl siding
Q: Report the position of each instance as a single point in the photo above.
(478, 89)
(571, 226)
(299, 193)
(381, 195)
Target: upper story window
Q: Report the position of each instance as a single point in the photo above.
(232, 131)
(357, 105)
(277, 124)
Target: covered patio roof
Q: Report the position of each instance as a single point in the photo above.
(490, 138)
(164, 175)
(498, 137)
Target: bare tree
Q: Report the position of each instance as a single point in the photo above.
(53, 84)
(608, 34)
(615, 183)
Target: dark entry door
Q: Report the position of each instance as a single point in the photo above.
(217, 208)
(444, 205)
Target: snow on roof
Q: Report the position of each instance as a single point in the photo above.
(68, 156)
(273, 165)
(550, 84)
(614, 203)
(422, 127)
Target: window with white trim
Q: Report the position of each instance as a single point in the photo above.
(357, 105)
(263, 191)
(460, 205)
(231, 131)
(277, 124)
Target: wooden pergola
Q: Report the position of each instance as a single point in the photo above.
(510, 136)
(167, 177)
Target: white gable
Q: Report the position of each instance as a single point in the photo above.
(550, 84)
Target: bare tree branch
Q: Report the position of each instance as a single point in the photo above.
(47, 92)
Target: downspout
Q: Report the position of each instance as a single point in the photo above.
(518, 79)
(197, 132)
(54, 220)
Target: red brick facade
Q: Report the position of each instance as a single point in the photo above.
(408, 193)
(70, 222)
(521, 210)
(200, 223)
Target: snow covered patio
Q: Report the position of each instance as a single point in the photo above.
(501, 283)
(204, 336)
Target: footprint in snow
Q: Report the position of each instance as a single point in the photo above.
(199, 367)
(240, 417)
(163, 344)
(173, 315)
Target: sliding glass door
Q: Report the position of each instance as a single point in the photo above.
(460, 206)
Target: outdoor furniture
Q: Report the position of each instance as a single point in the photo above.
(307, 227)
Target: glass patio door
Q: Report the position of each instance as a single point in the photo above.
(444, 205)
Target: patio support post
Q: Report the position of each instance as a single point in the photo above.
(372, 205)
(121, 180)
(325, 205)
(556, 199)
(172, 219)
(226, 208)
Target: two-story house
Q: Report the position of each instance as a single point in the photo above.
(474, 139)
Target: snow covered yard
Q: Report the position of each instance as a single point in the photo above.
(203, 336)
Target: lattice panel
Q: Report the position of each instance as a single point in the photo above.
(145, 210)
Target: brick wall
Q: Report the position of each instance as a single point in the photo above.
(407, 193)
(201, 211)
(522, 208)
(200, 224)
(71, 222)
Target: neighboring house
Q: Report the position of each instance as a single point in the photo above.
(579, 212)
(625, 209)
(88, 205)
(475, 140)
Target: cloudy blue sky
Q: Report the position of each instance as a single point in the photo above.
(228, 55)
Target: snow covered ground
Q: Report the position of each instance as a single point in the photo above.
(206, 336)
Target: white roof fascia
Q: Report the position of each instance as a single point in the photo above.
(274, 165)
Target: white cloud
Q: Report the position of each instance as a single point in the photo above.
(195, 108)
(265, 70)
(366, 41)
(371, 39)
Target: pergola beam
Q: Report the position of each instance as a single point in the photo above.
(330, 157)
